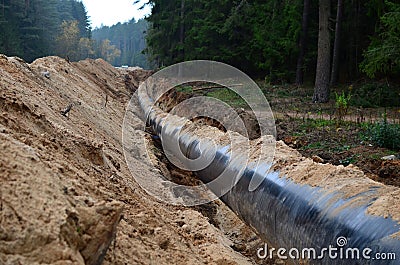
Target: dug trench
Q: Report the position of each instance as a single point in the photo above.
(328, 144)
(66, 193)
(241, 237)
(349, 181)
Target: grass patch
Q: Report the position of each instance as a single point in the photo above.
(348, 160)
(229, 97)
(316, 145)
(317, 124)
(184, 89)
(341, 148)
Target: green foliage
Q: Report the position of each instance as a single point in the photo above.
(259, 37)
(315, 145)
(128, 38)
(376, 94)
(342, 103)
(385, 134)
(274, 46)
(316, 124)
(256, 36)
(228, 96)
(108, 52)
(185, 89)
(30, 29)
(383, 54)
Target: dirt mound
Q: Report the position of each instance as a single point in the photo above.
(174, 97)
(68, 197)
(66, 194)
(134, 77)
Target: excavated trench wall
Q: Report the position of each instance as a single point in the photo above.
(299, 204)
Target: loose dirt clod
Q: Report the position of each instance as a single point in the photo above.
(67, 110)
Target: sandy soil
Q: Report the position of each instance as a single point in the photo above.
(66, 195)
(349, 181)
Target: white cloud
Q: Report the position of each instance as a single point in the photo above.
(109, 12)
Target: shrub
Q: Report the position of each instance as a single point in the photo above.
(376, 94)
(386, 135)
(342, 104)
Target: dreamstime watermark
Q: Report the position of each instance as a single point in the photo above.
(340, 251)
(171, 129)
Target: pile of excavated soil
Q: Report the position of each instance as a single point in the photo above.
(66, 194)
(68, 197)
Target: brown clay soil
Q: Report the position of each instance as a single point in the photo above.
(66, 194)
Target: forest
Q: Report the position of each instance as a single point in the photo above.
(36, 28)
(285, 41)
(330, 69)
(32, 29)
(323, 43)
(129, 39)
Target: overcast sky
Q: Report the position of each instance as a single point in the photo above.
(110, 12)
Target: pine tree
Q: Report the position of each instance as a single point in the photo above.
(129, 38)
(383, 54)
(303, 43)
(336, 46)
(29, 29)
(321, 89)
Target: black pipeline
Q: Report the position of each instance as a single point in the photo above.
(289, 215)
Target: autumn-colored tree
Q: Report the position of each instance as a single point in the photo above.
(108, 52)
(129, 38)
(70, 43)
(86, 48)
(68, 40)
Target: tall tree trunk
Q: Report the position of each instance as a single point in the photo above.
(336, 46)
(303, 43)
(321, 89)
(182, 36)
(182, 26)
(27, 3)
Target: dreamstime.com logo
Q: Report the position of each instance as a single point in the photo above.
(331, 252)
(171, 130)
